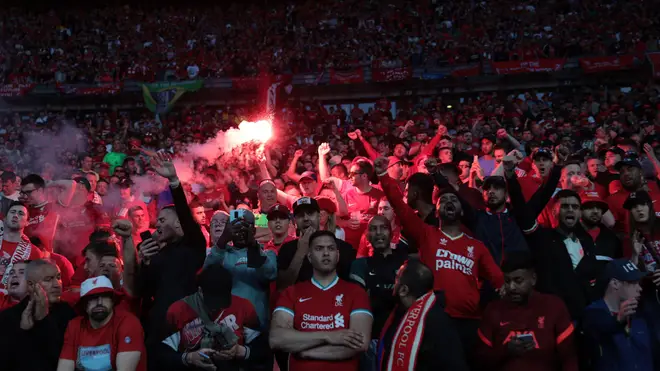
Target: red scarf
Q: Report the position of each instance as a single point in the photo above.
(408, 336)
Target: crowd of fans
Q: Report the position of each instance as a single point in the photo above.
(74, 45)
(510, 232)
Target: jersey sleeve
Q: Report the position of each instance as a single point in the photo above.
(360, 302)
(286, 302)
(130, 336)
(70, 345)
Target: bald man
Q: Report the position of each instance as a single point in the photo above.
(36, 325)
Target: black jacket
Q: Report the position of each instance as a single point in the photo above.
(554, 268)
(441, 347)
(37, 349)
(172, 273)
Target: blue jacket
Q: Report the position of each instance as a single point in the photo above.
(249, 283)
(613, 348)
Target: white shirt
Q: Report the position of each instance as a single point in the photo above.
(575, 250)
(13, 196)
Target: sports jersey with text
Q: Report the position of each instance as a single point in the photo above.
(318, 308)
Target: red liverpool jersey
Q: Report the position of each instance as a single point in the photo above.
(318, 308)
(458, 263)
(186, 327)
(544, 319)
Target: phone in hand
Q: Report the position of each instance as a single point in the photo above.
(145, 235)
(526, 338)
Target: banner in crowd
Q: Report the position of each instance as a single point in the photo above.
(466, 71)
(355, 76)
(608, 63)
(16, 90)
(105, 89)
(391, 74)
(654, 59)
(160, 97)
(540, 65)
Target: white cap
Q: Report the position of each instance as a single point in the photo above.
(96, 285)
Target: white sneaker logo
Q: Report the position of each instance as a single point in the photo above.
(302, 300)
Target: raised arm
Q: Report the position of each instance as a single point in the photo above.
(542, 196)
(162, 164)
(469, 215)
(371, 151)
(291, 171)
(428, 149)
(124, 228)
(524, 215)
(324, 171)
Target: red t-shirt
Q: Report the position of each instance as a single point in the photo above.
(97, 349)
(7, 252)
(317, 308)
(215, 195)
(42, 223)
(7, 302)
(544, 318)
(186, 327)
(362, 206)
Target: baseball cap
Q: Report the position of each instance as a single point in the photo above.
(95, 286)
(489, 137)
(393, 160)
(628, 161)
(494, 181)
(278, 212)
(637, 198)
(308, 175)
(543, 152)
(305, 203)
(623, 270)
(82, 180)
(592, 197)
(616, 150)
(326, 204)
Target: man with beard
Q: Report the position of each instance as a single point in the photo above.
(212, 329)
(199, 215)
(428, 341)
(324, 322)
(632, 180)
(14, 244)
(607, 245)
(526, 330)
(571, 179)
(565, 257)
(103, 338)
(292, 264)
(419, 196)
(140, 220)
(458, 262)
(377, 274)
(33, 330)
(16, 286)
(252, 267)
(43, 220)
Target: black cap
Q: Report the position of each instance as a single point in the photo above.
(623, 270)
(490, 137)
(637, 198)
(494, 181)
(616, 150)
(543, 152)
(305, 203)
(278, 212)
(216, 281)
(82, 180)
(628, 161)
